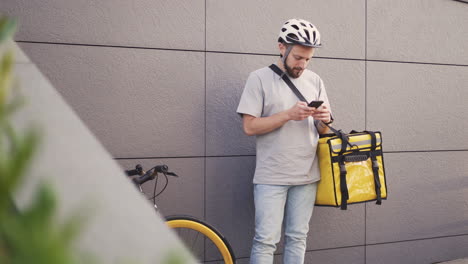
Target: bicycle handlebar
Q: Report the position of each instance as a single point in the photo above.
(149, 175)
(144, 178)
(161, 168)
(137, 171)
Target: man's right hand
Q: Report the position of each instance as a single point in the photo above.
(300, 111)
(262, 125)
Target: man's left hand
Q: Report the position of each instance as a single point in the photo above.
(322, 113)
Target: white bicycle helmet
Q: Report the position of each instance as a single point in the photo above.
(300, 32)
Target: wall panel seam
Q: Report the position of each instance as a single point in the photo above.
(425, 151)
(205, 132)
(238, 53)
(374, 244)
(183, 157)
(416, 239)
(365, 117)
(252, 155)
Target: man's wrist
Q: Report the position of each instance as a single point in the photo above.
(329, 122)
(287, 115)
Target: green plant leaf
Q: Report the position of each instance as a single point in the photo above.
(34, 234)
(6, 77)
(22, 150)
(175, 257)
(40, 212)
(71, 228)
(7, 28)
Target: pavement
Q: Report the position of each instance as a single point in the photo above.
(456, 261)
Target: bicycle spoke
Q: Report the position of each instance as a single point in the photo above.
(195, 242)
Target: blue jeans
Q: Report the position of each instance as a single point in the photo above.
(273, 203)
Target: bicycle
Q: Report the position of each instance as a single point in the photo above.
(188, 228)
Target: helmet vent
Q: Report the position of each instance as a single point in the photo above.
(307, 33)
(292, 36)
(315, 36)
(312, 26)
(295, 26)
(304, 25)
(283, 29)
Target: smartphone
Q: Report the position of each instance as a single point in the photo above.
(315, 104)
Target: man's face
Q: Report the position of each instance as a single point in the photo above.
(297, 60)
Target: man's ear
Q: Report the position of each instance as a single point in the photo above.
(282, 48)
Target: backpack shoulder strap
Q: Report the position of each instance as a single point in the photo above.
(285, 78)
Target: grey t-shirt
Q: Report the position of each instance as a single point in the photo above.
(285, 156)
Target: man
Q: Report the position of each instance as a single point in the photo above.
(287, 133)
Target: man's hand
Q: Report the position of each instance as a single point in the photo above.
(300, 111)
(261, 125)
(322, 114)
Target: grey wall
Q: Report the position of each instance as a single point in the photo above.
(159, 82)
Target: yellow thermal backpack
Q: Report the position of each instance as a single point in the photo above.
(351, 168)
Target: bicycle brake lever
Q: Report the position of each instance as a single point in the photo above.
(172, 174)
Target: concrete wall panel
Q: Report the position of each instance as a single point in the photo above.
(418, 107)
(332, 227)
(157, 24)
(353, 255)
(225, 79)
(420, 251)
(427, 194)
(418, 30)
(229, 200)
(253, 26)
(132, 99)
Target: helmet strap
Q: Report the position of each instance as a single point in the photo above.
(286, 53)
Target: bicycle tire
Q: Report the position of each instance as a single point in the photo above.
(221, 244)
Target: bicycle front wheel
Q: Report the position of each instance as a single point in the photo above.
(203, 240)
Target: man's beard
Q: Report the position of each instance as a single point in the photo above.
(293, 72)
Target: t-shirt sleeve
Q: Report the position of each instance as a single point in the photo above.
(251, 101)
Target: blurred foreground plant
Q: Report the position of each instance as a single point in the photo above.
(32, 234)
